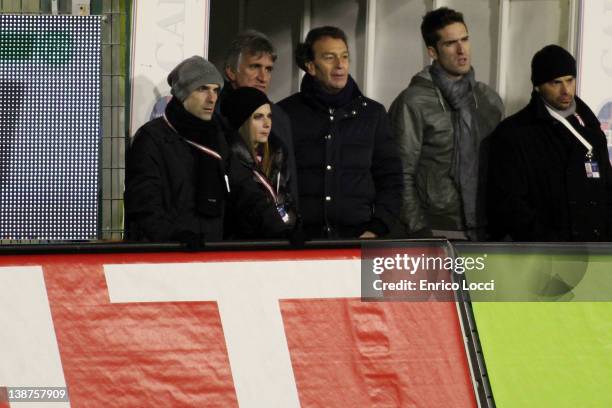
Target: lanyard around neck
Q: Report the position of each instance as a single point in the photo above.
(267, 185)
(201, 148)
(569, 127)
(198, 146)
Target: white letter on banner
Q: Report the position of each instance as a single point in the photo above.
(29, 356)
(247, 294)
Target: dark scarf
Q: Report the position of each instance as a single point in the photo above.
(312, 87)
(460, 96)
(209, 177)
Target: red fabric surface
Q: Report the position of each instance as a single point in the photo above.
(128, 355)
(344, 353)
(4, 398)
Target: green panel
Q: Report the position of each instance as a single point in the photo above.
(547, 354)
(95, 6)
(53, 47)
(548, 343)
(543, 277)
(11, 6)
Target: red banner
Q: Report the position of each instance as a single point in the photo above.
(201, 329)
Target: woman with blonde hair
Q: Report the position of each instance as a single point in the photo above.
(260, 205)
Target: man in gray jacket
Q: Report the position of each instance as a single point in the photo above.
(439, 122)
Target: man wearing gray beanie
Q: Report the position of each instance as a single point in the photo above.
(249, 62)
(550, 177)
(175, 177)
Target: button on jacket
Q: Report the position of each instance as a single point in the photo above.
(349, 173)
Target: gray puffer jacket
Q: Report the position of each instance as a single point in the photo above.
(422, 123)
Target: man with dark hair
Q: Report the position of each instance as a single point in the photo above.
(550, 177)
(175, 178)
(349, 173)
(305, 51)
(439, 122)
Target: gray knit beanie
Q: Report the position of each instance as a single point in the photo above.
(191, 74)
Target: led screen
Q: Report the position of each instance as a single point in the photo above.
(49, 127)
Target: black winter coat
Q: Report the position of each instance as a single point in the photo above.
(538, 189)
(349, 171)
(160, 188)
(280, 127)
(252, 212)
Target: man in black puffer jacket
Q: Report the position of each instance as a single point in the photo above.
(175, 177)
(349, 172)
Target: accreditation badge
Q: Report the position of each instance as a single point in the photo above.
(283, 213)
(592, 169)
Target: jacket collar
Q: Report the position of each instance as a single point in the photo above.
(241, 151)
(308, 92)
(537, 107)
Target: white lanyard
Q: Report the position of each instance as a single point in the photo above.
(267, 185)
(203, 149)
(280, 208)
(581, 139)
(198, 146)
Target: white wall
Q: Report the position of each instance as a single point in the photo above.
(162, 37)
(531, 26)
(398, 52)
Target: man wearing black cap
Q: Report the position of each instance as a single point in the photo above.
(176, 183)
(550, 177)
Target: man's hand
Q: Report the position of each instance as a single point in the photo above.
(368, 235)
